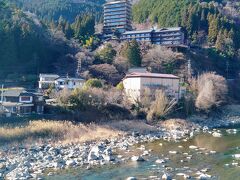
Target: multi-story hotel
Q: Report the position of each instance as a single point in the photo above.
(117, 17)
(164, 36)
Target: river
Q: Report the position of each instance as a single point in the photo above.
(213, 156)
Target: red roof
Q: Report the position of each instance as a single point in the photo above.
(151, 75)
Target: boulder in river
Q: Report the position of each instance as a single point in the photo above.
(217, 134)
(137, 158)
(236, 156)
(166, 177)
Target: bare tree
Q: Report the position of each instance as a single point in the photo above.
(212, 91)
(159, 56)
(161, 107)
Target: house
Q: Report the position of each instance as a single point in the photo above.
(135, 83)
(46, 80)
(173, 36)
(58, 82)
(20, 101)
(69, 83)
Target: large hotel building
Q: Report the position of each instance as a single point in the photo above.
(117, 17)
(165, 36)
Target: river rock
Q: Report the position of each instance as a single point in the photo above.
(231, 131)
(96, 153)
(166, 177)
(160, 161)
(131, 178)
(173, 152)
(193, 147)
(203, 176)
(137, 158)
(185, 176)
(217, 134)
(71, 162)
(236, 156)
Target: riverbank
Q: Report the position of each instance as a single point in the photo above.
(87, 146)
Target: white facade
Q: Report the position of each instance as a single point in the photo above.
(69, 83)
(135, 84)
(46, 80)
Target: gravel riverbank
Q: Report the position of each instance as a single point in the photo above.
(24, 162)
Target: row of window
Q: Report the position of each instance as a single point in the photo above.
(117, 5)
(115, 9)
(117, 13)
(115, 24)
(115, 20)
(116, 16)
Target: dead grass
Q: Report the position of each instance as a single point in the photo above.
(65, 132)
(55, 131)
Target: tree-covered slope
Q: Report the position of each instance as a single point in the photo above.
(163, 12)
(68, 9)
(26, 46)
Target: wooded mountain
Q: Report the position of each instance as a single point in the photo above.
(26, 46)
(205, 22)
(68, 9)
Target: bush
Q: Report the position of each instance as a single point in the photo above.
(106, 54)
(107, 72)
(161, 107)
(94, 83)
(212, 91)
(120, 86)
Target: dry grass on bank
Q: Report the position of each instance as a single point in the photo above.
(54, 131)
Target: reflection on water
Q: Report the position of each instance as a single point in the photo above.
(196, 160)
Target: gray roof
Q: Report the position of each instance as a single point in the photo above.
(13, 92)
(138, 32)
(49, 75)
(19, 92)
(70, 79)
(153, 30)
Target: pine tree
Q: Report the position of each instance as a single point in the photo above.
(213, 29)
(68, 31)
(134, 54)
(220, 41)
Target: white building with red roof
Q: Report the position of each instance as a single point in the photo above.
(136, 82)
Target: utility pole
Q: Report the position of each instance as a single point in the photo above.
(189, 68)
(227, 68)
(2, 98)
(79, 67)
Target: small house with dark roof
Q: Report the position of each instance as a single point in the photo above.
(136, 82)
(20, 101)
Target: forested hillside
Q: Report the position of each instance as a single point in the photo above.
(164, 12)
(68, 9)
(206, 23)
(26, 46)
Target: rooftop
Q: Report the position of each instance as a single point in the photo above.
(70, 79)
(151, 75)
(116, 2)
(49, 75)
(13, 92)
(154, 30)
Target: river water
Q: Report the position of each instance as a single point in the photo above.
(213, 154)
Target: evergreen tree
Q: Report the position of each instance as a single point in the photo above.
(68, 31)
(134, 54)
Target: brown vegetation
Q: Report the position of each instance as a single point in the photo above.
(212, 91)
(56, 131)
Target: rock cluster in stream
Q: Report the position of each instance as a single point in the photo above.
(35, 161)
(40, 160)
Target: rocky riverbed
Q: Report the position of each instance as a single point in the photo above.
(39, 160)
